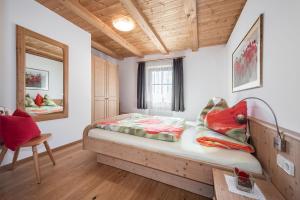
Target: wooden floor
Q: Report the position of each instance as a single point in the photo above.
(78, 176)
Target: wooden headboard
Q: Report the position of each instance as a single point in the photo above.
(262, 137)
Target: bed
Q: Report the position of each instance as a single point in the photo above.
(43, 109)
(184, 164)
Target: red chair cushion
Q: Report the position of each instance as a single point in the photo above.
(17, 129)
(39, 100)
(230, 122)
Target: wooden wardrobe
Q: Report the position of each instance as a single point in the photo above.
(105, 89)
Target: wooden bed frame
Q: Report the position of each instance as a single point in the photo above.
(195, 176)
(187, 174)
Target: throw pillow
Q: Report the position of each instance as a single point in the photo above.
(48, 102)
(212, 105)
(38, 100)
(18, 129)
(29, 102)
(231, 122)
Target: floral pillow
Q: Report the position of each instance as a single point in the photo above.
(228, 124)
(231, 122)
(29, 102)
(48, 102)
(212, 105)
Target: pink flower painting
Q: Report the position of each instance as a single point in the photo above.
(245, 65)
(246, 60)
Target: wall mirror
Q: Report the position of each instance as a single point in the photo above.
(42, 76)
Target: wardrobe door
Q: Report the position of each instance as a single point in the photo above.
(99, 84)
(112, 90)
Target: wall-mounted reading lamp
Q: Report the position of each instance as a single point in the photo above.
(279, 142)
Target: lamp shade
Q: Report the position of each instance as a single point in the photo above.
(123, 23)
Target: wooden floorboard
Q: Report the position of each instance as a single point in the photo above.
(77, 176)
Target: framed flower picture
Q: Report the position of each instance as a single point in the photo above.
(36, 79)
(247, 59)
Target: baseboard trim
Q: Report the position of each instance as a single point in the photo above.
(27, 159)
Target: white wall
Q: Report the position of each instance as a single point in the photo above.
(32, 15)
(281, 64)
(56, 72)
(205, 76)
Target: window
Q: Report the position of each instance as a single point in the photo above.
(159, 85)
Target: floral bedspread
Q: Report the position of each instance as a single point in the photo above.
(43, 110)
(153, 127)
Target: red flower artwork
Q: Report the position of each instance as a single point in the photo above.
(33, 80)
(245, 65)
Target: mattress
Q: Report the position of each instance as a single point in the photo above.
(186, 147)
(43, 109)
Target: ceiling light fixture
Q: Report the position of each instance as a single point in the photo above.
(123, 23)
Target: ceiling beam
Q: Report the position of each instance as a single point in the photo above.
(105, 50)
(138, 16)
(85, 14)
(190, 9)
(44, 53)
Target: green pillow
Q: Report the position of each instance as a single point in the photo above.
(48, 101)
(29, 102)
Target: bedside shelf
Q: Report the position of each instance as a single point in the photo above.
(222, 192)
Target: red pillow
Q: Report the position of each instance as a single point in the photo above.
(20, 113)
(18, 129)
(230, 122)
(1, 138)
(39, 100)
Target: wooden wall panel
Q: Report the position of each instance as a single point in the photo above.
(263, 135)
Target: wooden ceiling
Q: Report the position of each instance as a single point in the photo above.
(40, 48)
(162, 26)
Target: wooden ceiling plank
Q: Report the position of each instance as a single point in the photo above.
(190, 9)
(43, 49)
(104, 49)
(216, 19)
(81, 11)
(137, 15)
(46, 54)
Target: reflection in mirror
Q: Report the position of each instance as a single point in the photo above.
(43, 77)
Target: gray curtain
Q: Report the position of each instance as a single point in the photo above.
(141, 87)
(177, 95)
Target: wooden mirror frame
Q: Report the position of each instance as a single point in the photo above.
(21, 33)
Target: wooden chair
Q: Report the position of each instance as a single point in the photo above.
(32, 143)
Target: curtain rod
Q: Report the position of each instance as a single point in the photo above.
(148, 60)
